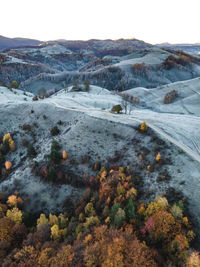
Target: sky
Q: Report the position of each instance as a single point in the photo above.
(153, 21)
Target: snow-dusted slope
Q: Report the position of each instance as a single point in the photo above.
(154, 56)
(180, 130)
(97, 98)
(8, 96)
(187, 102)
(89, 128)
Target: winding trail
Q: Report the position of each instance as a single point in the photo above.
(124, 119)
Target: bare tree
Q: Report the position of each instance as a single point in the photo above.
(128, 102)
(130, 108)
(125, 102)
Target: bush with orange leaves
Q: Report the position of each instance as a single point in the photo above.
(8, 165)
(14, 200)
(64, 155)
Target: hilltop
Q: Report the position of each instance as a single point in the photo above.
(7, 43)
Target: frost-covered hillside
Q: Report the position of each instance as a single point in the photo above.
(90, 133)
(113, 64)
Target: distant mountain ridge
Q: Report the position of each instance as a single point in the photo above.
(112, 64)
(193, 49)
(6, 42)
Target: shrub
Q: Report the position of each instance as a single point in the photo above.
(14, 84)
(60, 122)
(169, 63)
(35, 98)
(54, 131)
(24, 142)
(116, 108)
(158, 157)
(170, 97)
(8, 143)
(8, 165)
(55, 156)
(31, 151)
(140, 69)
(26, 127)
(55, 145)
(143, 127)
(64, 154)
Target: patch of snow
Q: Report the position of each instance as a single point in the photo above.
(8, 96)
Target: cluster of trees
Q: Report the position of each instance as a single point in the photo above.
(53, 169)
(80, 87)
(141, 69)
(7, 145)
(182, 59)
(109, 226)
(128, 102)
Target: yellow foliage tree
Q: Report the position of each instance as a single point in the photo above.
(162, 202)
(64, 154)
(55, 232)
(89, 209)
(158, 157)
(14, 215)
(42, 220)
(92, 221)
(7, 137)
(12, 145)
(132, 193)
(152, 208)
(53, 219)
(143, 126)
